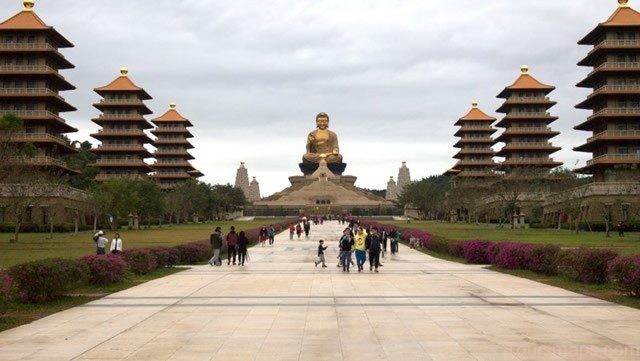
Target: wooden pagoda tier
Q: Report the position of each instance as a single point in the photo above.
(615, 100)
(30, 62)
(172, 157)
(122, 132)
(526, 122)
(475, 158)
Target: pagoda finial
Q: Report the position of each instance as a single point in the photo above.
(242, 164)
(172, 105)
(475, 104)
(623, 3)
(124, 71)
(524, 69)
(28, 5)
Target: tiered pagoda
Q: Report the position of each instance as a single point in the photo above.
(527, 132)
(172, 157)
(123, 136)
(475, 158)
(615, 100)
(30, 81)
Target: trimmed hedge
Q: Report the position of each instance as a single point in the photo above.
(5, 291)
(47, 279)
(104, 269)
(625, 273)
(140, 260)
(165, 256)
(588, 265)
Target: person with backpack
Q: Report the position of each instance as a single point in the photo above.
(271, 232)
(242, 248)
(346, 243)
(232, 241)
(373, 245)
(216, 245)
(116, 244)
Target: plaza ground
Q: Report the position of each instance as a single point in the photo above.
(34, 246)
(629, 245)
(280, 307)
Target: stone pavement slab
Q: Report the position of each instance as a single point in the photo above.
(280, 307)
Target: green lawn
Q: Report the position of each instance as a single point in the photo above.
(34, 246)
(628, 245)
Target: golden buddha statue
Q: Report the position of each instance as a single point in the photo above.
(322, 143)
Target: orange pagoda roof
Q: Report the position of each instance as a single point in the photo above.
(475, 114)
(171, 115)
(623, 16)
(526, 82)
(123, 83)
(28, 20)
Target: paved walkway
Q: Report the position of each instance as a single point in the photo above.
(280, 307)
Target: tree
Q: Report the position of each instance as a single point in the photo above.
(81, 162)
(426, 195)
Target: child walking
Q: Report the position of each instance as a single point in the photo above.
(321, 249)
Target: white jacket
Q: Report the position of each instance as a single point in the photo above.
(116, 243)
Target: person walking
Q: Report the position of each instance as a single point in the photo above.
(307, 228)
(360, 247)
(216, 245)
(263, 235)
(346, 243)
(384, 237)
(321, 249)
(373, 245)
(620, 227)
(101, 242)
(292, 230)
(271, 233)
(116, 244)
(242, 248)
(298, 230)
(232, 241)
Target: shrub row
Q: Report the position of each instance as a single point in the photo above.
(43, 228)
(588, 265)
(45, 280)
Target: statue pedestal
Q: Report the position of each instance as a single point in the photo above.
(310, 168)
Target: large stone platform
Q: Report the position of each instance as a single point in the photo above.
(280, 307)
(323, 191)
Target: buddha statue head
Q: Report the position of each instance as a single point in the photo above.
(322, 121)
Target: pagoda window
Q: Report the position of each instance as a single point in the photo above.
(619, 35)
(623, 150)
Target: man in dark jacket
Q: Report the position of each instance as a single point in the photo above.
(216, 245)
(373, 245)
(232, 240)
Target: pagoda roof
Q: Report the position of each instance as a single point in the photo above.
(123, 84)
(475, 114)
(623, 16)
(171, 115)
(27, 19)
(525, 82)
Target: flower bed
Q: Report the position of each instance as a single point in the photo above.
(625, 273)
(47, 279)
(104, 269)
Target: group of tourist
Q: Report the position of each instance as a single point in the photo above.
(267, 234)
(368, 243)
(303, 226)
(100, 239)
(236, 246)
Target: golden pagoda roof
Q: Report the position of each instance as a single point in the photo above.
(171, 115)
(623, 16)
(525, 82)
(123, 83)
(27, 19)
(476, 114)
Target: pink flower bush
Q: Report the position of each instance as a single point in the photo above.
(625, 273)
(104, 269)
(475, 251)
(47, 279)
(166, 256)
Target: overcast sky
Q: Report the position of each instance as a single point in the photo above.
(393, 75)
